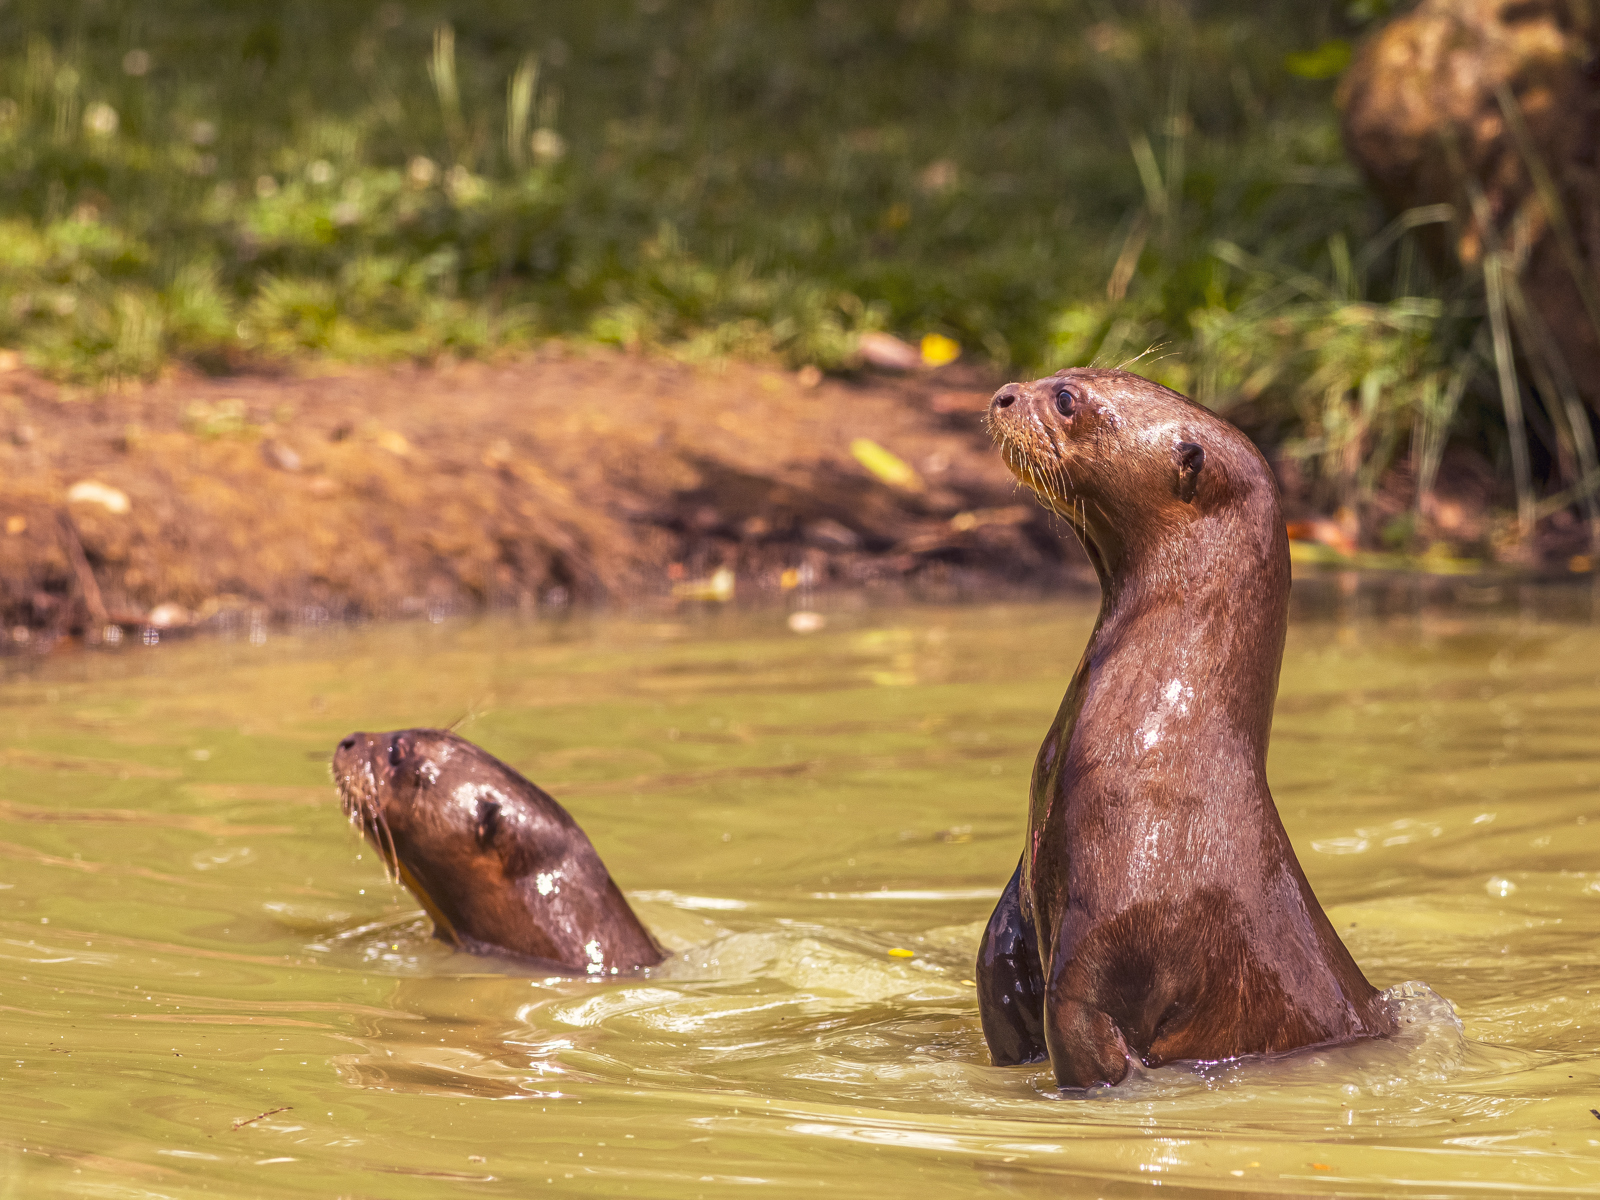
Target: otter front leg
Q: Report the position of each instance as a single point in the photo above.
(1087, 1048)
(1011, 983)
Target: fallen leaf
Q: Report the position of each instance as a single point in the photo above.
(1015, 514)
(718, 587)
(888, 353)
(888, 467)
(90, 491)
(939, 351)
(278, 455)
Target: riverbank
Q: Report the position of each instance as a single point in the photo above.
(569, 475)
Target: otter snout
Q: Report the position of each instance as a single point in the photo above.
(1047, 398)
(351, 750)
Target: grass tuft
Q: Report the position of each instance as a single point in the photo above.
(1044, 182)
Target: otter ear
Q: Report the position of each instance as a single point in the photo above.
(1191, 458)
(488, 822)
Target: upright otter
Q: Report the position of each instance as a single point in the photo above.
(498, 864)
(1158, 911)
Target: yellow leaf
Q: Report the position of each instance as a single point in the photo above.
(937, 350)
(719, 587)
(890, 468)
(92, 491)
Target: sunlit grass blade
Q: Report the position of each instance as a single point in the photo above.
(1128, 258)
(1510, 393)
(1562, 401)
(1550, 200)
(442, 71)
(519, 104)
(1412, 218)
(1436, 410)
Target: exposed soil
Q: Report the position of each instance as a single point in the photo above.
(571, 475)
(567, 475)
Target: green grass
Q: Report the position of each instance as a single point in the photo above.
(1049, 182)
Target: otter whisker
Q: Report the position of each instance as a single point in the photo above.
(1036, 462)
(358, 798)
(472, 714)
(1145, 353)
(391, 856)
(380, 824)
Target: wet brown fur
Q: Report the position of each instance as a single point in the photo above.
(498, 864)
(1158, 911)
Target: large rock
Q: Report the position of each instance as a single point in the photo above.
(1424, 115)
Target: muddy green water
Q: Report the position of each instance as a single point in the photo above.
(190, 936)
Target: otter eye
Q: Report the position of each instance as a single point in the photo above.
(1065, 402)
(398, 749)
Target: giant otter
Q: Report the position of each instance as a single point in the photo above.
(498, 865)
(1158, 912)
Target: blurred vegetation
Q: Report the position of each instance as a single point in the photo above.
(1048, 182)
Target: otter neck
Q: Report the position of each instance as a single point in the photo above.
(1196, 592)
(1140, 584)
(1128, 566)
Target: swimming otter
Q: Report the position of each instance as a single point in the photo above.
(1158, 911)
(497, 864)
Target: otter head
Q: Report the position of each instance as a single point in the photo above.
(495, 861)
(1131, 465)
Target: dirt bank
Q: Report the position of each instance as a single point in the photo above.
(571, 475)
(567, 475)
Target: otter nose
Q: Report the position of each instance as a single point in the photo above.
(1006, 396)
(349, 743)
